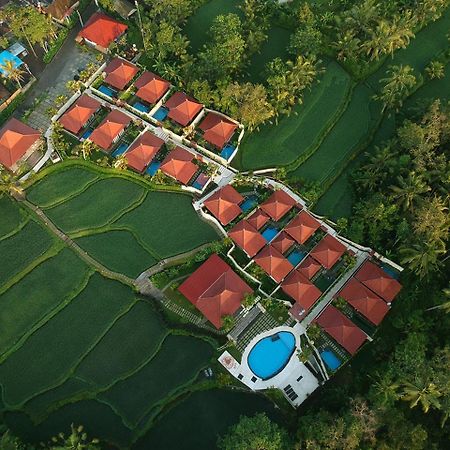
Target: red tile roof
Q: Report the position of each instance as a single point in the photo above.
(378, 281)
(364, 301)
(224, 204)
(283, 242)
(114, 123)
(302, 227)
(301, 289)
(102, 29)
(151, 88)
(217, 129)
(178, 164)
(182, 108)
(215, 290)
(273, 263)
(120, 72)
(341, 329)
(143, 150)
(278, 204)
(328, 251)
(76, 117)
(247, 238)
(309, 267)
(16, 138)
(258, 219)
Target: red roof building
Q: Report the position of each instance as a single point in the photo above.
(341, 329)
(119, 72)
(283, 242)
(182, 108)
(378, 281)
(217, 130)
(301, 290)
(302, 227)
(247, 238)
(178, 164)
(328, 251)
(215, 290)
(258, 219)
(17, 142)
(110, 129)
(278, 204)
(151, 88)
(273, 263)
(79, 114)
(364, 301)
(143, 150)
(224, 204)
(101, 31)
(309, 267)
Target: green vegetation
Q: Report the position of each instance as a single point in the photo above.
(11, 215)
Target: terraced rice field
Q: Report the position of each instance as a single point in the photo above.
(297, 136)
(11, 216)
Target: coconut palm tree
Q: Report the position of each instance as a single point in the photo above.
(87, 148)
(425, 394)
(435, 70)
(121, 162)
(386, 389)
(347, 45)
(9, 183)
(445, 305)
(423, 258)
(408, 190)
(13, 72)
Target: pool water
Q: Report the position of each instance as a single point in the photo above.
(153, 168)
(249, 203)
(141, 107)
(120, 149)
(161, 114)
(270, 355)
(227, 151)
(330, 359)
(200, 181)
(295, 257)
(269, 233)
(390, 271)
(87, 133)
(110, 92)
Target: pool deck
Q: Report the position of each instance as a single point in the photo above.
(295, 374)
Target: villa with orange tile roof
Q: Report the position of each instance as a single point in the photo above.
(119, 73)
(217, 130)
(273, 263)
(79, 114)
(258, 219)
(150, 87)
(182, 108)
(301, 290)
(110, 129)
(309, 267)
(224, 204)
(302, 227)
(143, 150)
(283, 242)
(328, 251)
(247, 238)
(278, 205)
(178, 165)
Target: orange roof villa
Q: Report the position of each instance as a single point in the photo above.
(273, 263)
(247, 238)
(278, 204)
(76, 117)
(182, 108)
(224, 204)
(143, 150)
(301, 290)
(178, 164)
(150, 87)
(328, 251)
(120, 72)
(216, 129)
(215, 290)
(302, 227)
(110, 129)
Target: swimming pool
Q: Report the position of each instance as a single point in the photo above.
(161, 114)
(153, 168)
(295, 257)
(269, 233)
(110, 92)
(330, 359)
(87, 133)
(120, 149)
(227, 151)
(141, 107)
(249, 203)
(270, 355)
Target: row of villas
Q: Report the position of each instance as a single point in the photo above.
(339, 288)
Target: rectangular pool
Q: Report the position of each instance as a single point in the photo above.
(269, 233)
(227, 151)
(141, 107)
(161, 114)
(153, 168)
(249, 203)
(86, 134)
(330, 359)
(295, 257)
(122, 148)
(110, 92)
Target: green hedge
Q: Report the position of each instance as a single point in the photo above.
(56, 45)
(9, 110)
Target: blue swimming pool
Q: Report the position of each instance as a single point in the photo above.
(122, 148)
(295, 257)
(227, 151)
(161, 114)
(269, 233)
(249, 203)
(153, 168)
(86, 134)
(110, 92)
(270, 355)
(330, 359)
(141, 107)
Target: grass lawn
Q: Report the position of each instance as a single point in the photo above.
(98, 205)
(350, 132)
(41, 292)
(299, 134)
(11, 215)
(167, 223)
(59, 185)
(20, 249)
(62, 342)
(138, 394)
(198, 25)
(119, 251)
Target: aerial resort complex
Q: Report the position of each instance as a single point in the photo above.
(224, 224)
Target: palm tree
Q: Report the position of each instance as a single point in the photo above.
(87, 148)
(121, 162)
(435, 70)
(13, 72)
(409, 189)
(386, 389)
(9, 183)
(347, 45)
(445, 306)
(427, 394)
(423, 258)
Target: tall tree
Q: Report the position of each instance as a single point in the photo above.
(13, 72)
